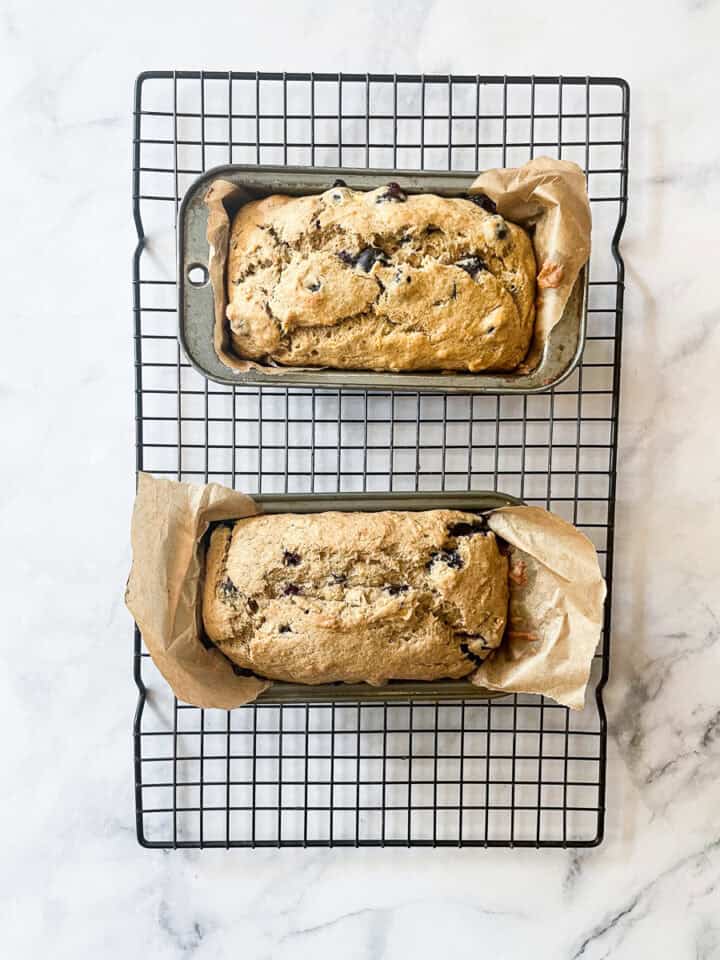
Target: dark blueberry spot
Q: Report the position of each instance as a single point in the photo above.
(394, 193)
(451, 557)
(338, 578)
(408, 279)
(317, 224)
(284, 628)
(368, 257)
(337, 197)
(431, 228)
(481, 200)
(339, 183)
(512, 288)
(490, 330)
(228, 589)
(291, 559)
(405, 238)
(291, 590)
(395, 588)
(314, 287)
(501, 230)
(241, 671)
(467, 652)
(464, 529)
(237, 282)
(252, 605)
(471, 265)
(268, 311)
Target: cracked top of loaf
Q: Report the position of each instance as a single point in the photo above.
(380, 280)
(356, 597)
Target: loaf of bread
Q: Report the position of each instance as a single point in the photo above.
(380, 280)
(317, 598)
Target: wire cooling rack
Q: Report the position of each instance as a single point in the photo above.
(514, 771)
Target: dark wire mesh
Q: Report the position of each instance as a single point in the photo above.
(515, 771)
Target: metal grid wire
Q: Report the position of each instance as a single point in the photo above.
(514, 771)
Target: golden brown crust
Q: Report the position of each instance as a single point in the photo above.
(317, 598)
(354, 280)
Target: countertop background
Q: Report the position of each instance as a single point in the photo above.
(73, 880)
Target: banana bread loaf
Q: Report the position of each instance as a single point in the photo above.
(380, 280)
(316, 598)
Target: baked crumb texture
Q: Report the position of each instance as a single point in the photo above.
(380, 281)
(317, 598)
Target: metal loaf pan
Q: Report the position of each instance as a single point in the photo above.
(195, 303)
(396, 690)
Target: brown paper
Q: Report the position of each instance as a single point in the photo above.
(551, 197)
(546, 196)
(555, 617)
(169, 520)
(218, 237)
(556, 608)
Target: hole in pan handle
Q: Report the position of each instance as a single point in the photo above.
(197, 274)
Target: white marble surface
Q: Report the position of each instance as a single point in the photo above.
(74, 882)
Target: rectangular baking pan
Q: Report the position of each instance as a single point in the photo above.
(195, 301)
(396, 690)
